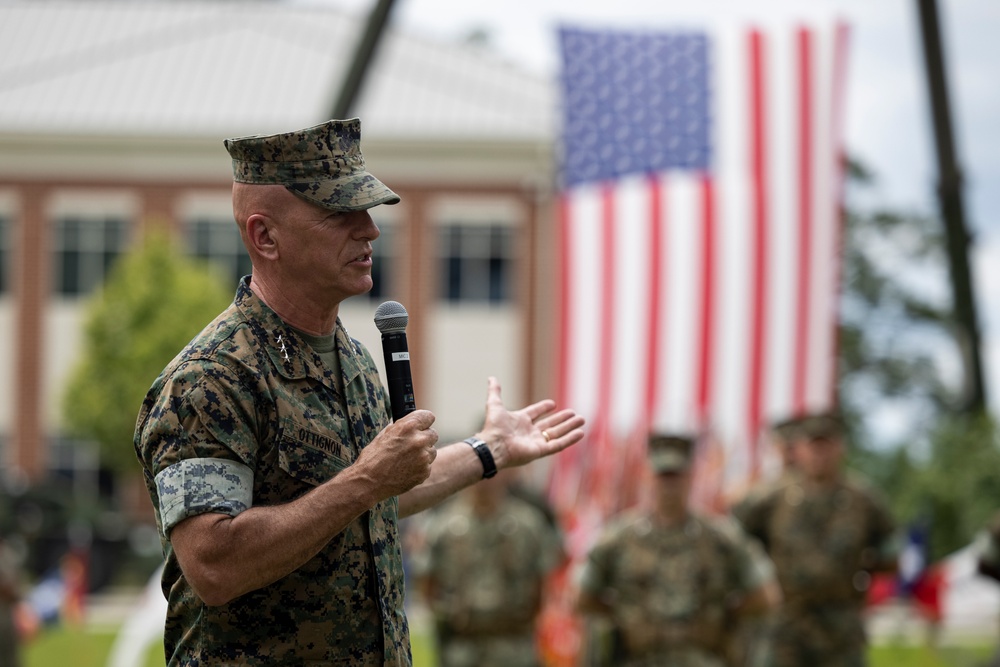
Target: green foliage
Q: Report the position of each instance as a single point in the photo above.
(892, 332)
(895, 338)
(958, 489)
(153, 302)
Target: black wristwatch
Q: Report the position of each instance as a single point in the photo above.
(485, 455)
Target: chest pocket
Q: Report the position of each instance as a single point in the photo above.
(313, 455)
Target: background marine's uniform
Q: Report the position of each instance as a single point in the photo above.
(485, 576)
(672, 591)
(824, 544)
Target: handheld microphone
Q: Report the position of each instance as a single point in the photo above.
(391, 319)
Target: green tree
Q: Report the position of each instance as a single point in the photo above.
(897, 356)
(153, 302)
(958, 489)
(895, 337)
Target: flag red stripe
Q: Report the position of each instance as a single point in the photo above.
(708, 333)
(760, 214)
(607, 302)
(656, 296)
(565, 468)
(565, 292)
(595, 484)
(805, 192)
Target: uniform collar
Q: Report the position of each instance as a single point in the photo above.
(291, 356)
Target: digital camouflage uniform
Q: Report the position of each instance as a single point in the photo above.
(671, 590)
(247, 414)
(987, 550)
(9, 597)
(750, 645)
(485, 576)
(823, 543)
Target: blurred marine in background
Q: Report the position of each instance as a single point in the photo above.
(826, 534)
(987, 547)
(487, 558)
(673, 584)
(10, 596)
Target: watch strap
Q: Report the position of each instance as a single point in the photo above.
(485, 456)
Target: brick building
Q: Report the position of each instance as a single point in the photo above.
(112, 115)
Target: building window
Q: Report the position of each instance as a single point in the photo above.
(477, 261)
(86, 249)
(383, 264)
(5, 254)
(218, 242)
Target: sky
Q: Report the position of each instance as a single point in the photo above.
(887, 118)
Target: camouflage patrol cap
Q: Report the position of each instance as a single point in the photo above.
(669, 453)
(822, 426)
(788, 429)
(321, 164)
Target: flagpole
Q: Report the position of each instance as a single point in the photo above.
(951, 207)
(363, 54)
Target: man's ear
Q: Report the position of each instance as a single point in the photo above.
(259, 236)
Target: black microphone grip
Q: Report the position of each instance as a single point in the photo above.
(397, 374)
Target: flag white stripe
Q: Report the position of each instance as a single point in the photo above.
(586, 310)
(733, 209)
(784, 239)
(826, 254)
(683, 270)
(630, 313)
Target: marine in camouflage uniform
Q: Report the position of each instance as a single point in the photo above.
(10, 597)
(488, 555)
(987, 549)
(750, 645)
(673, 583)
(266, 444)
(783, 435)
(826, 533)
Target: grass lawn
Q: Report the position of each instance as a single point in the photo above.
(918, 656)
(79, 647)
(71, 647)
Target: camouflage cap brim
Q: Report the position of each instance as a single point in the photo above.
(669, 452)
(668, 461)
(355, 193)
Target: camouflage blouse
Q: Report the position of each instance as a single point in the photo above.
(246, 415)
(671, 591)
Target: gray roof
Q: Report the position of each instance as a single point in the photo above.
(210, 69)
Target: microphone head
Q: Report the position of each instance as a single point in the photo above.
(391, 317)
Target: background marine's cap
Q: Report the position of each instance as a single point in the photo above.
(321, 164)
(788, 429)
(669, 453)
(823, 426)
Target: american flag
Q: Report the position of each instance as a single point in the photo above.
(699, 224)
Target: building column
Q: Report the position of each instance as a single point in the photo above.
(31, 272)
(416, 288)
(527, 296)
(159, 210)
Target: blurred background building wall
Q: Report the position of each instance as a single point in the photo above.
(112, 117)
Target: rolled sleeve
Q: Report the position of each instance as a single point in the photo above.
(200, 486)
